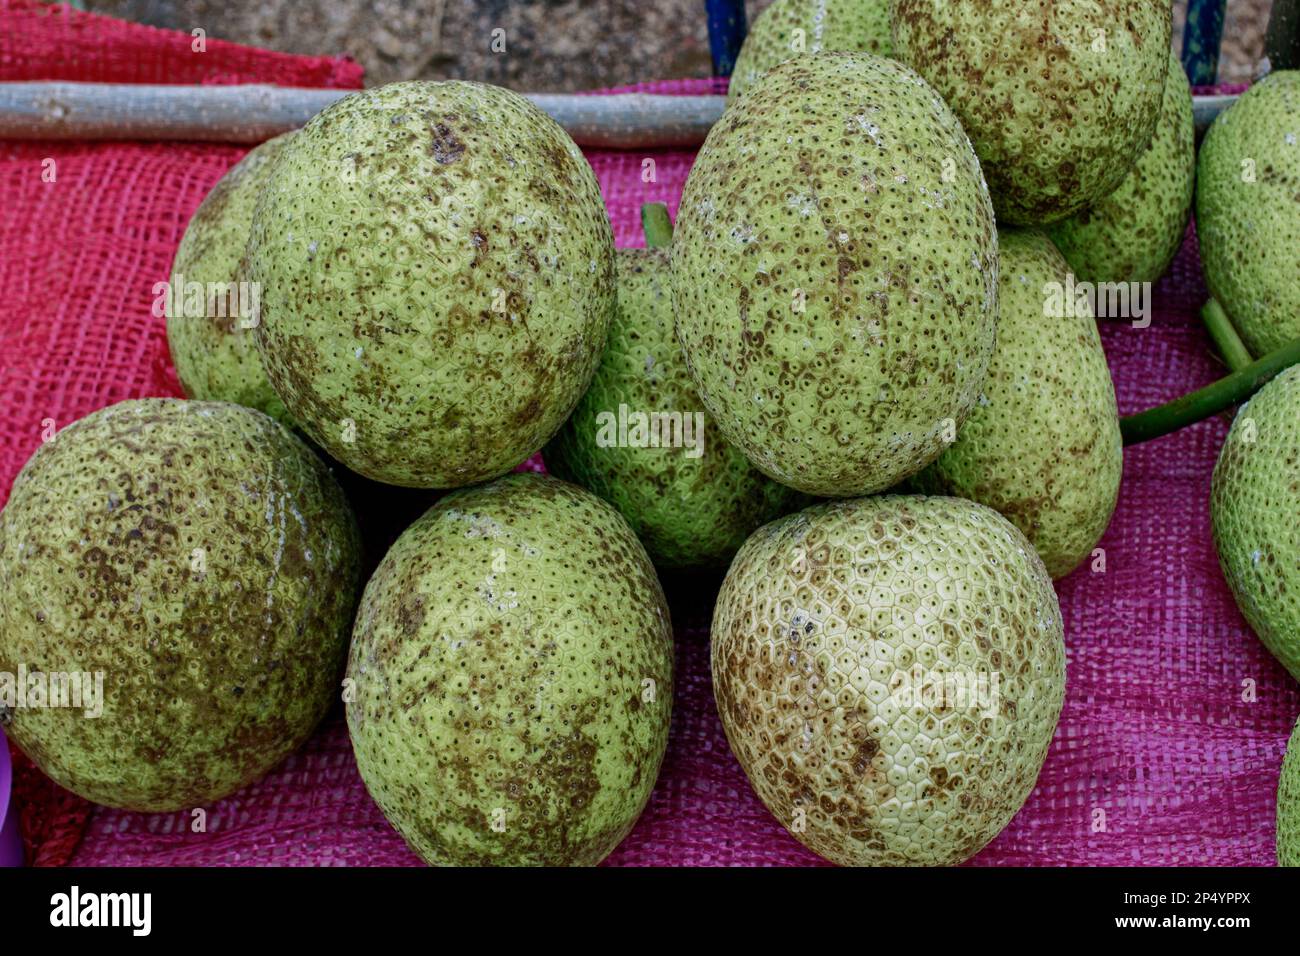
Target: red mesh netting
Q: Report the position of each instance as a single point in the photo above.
(1160, 758)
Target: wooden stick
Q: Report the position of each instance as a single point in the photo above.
(1206, 108)
(254, 113)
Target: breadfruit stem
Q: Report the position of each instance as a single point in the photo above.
(656, 224)
(1234, 353)
(1211, 400)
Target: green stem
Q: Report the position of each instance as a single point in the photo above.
(1210, 400)
(658, 227)
(1235, 355)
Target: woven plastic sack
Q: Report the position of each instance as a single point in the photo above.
(1175, 719)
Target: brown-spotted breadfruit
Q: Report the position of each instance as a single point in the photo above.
(889, 672)
(437, 277)
(835, 274)
(1059, 99)
(511, 677)
(1134, 233)
(201, 561)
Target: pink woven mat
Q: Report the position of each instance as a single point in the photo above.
(1175, 719)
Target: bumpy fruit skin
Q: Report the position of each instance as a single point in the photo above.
(1288, 804)
(829, 26)
(1250, 231)
(835, 274)
(201, 558)
(215, 355)
(837, 629)
(688, 512)
(1254, 501)
(1134, 233)
(512, 665)
(1043, 446)
(1057, 120)
(437, 275)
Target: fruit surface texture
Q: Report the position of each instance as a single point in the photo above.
(1058, 98)
(512, 665)
(437, 276)
(1134, 233)
(889, 672)
(1248, 212)
(790, 28)
(211, 336)
(692, 503)
(1254, 501)
(1288, 804)
(203, 561)
(835, 274)
(1043, 446)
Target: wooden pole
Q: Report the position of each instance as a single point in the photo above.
(254, 113)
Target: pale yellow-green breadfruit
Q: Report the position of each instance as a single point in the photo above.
(889, 672)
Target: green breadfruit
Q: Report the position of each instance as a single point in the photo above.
(512, 665)
(1134, 233)
(1254, 500)
(1043, 446)
(205, 562)
(1248, 212)
(790, 28)
(691, 505)
(437, 277)
(211, 339)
